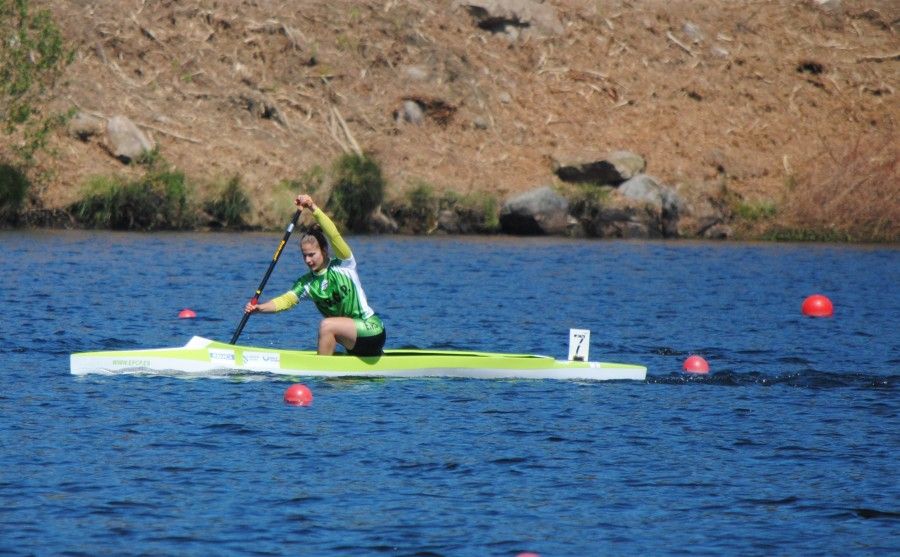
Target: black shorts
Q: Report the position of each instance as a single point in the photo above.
(369, 346)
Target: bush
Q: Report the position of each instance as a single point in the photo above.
(13, 187)
(587, 201)
(755, 211)
(417, 212)
(480, 211)
(157, 200)
(230, 205)
(358, 190)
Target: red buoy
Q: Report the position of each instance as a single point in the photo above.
(298, 394)
(817, 305)
(695, 364)
(187, 314)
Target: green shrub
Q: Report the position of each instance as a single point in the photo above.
(478, 212)
(358, 190)
(752, 212)
(13, 188)
(420, 209)
(586, 201)
(157, 200)
(230, 204)
(783, 234)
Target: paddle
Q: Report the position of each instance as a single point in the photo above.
(255, 299)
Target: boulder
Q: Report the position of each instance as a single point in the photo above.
(663, 200)
(448, 222)
(618, 219)
(706, 209)
(612, 168)
(540, 211)
(83, 126)
(127, 141)
(639, 208)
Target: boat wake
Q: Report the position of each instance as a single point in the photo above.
(807, 379)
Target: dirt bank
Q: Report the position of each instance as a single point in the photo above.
(751, 93)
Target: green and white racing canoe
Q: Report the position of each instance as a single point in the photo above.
(201, 356)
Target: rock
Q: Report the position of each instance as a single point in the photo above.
(435, 108)
(646, 188)
(718, 231)
(411, 112)
(706, 206)
(612, 168)
(512, 16)
(84, 126)
(719, 52)
(127, 141)
(541, 211)
(415, 73)
(663, 199)
(480, 123)
(574, 228)
(380, 223)
(693, 32)
(260, 106)
(619, 218)
(829, 6)
(448, 222)
(639, 208)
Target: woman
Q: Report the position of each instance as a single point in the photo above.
(334, 286)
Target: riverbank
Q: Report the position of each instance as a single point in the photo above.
(605, 197)
(776, 120)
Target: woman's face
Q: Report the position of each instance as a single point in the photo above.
(312, 254)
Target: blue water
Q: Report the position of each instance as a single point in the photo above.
(789, 447)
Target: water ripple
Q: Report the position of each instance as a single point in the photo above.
(795, 426)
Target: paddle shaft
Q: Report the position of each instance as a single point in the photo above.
(262, 284)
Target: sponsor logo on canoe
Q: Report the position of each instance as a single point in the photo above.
(262, 360)
(219, 356)
(131, 362)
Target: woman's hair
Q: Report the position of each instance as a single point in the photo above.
(314, 233)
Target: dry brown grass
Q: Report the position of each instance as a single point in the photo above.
(849, 191)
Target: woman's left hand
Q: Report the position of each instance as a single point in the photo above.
(305, 201)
